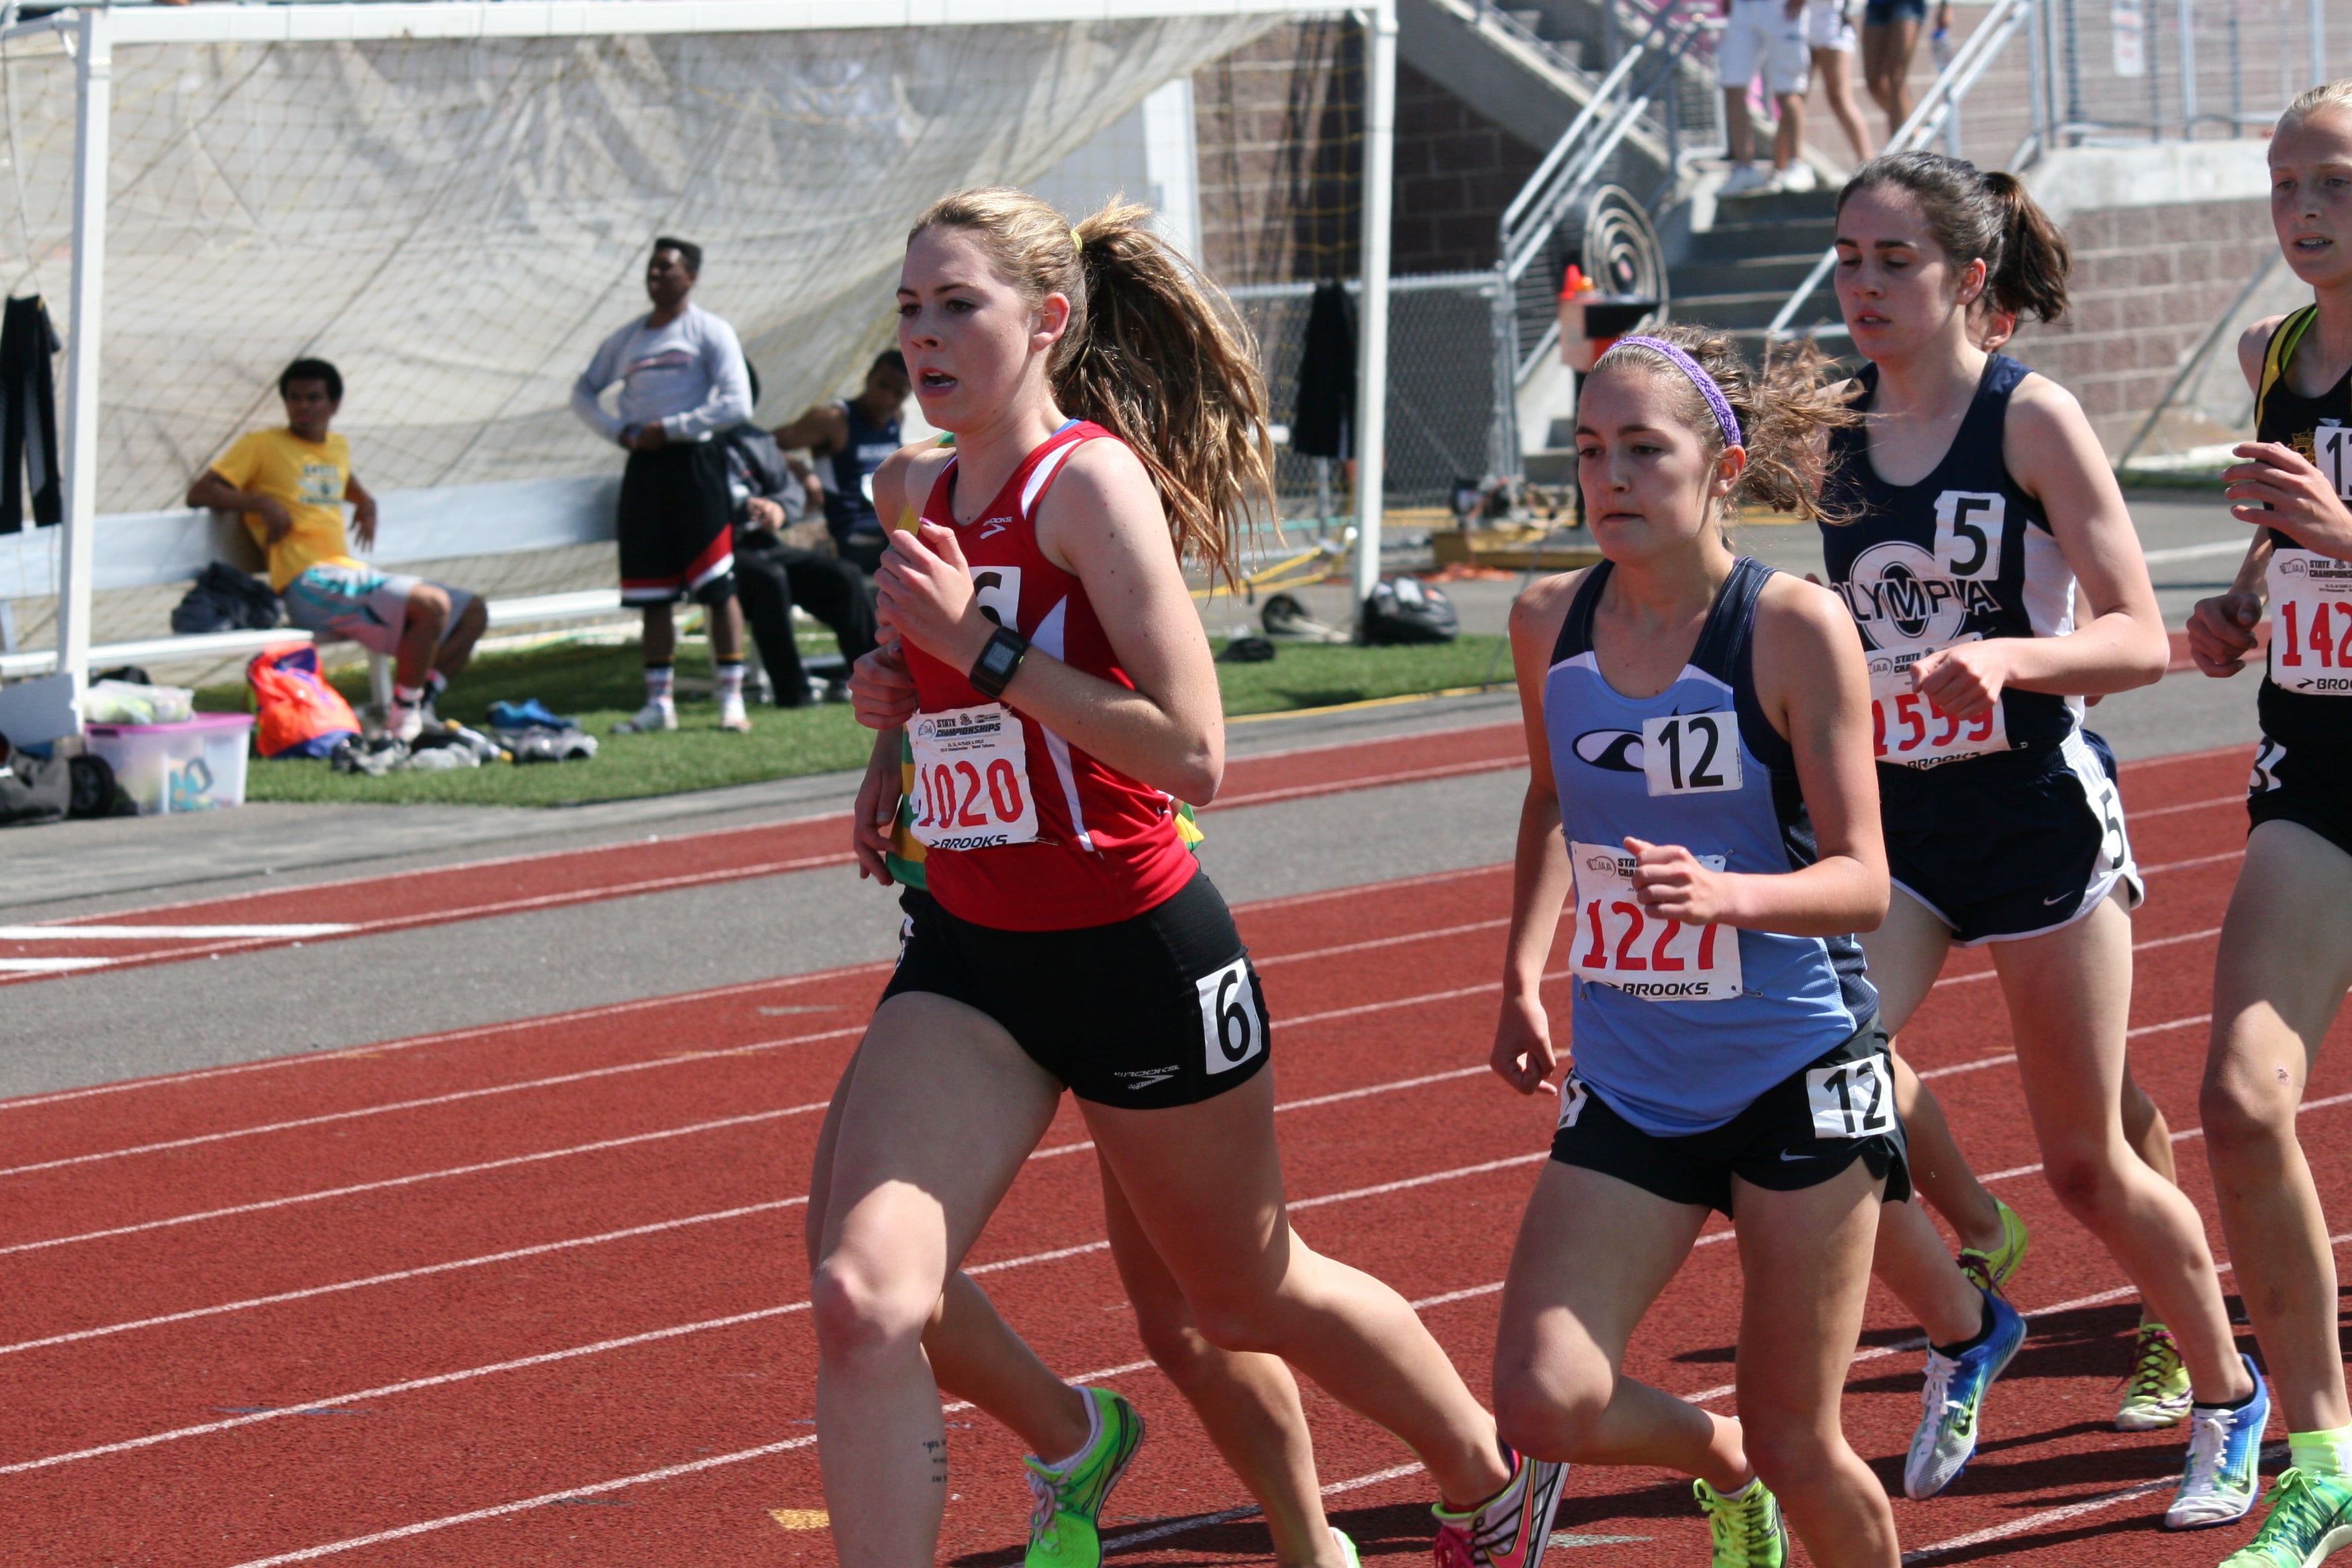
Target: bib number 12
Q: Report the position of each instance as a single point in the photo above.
(1852, 1100)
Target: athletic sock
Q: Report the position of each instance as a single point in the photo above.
(1984, 1332)
(2229, 1404)
(730, 678)
(1094, 1410)
(2321, 1453)
(658, 682)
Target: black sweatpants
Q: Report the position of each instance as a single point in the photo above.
(770, 577)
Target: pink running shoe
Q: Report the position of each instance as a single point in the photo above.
(1508, 1529)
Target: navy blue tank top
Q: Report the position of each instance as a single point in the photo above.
(2307, 694)
(849, 502)
(1680, 1028)
(1964, 554)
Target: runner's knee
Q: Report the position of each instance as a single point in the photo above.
(2242, 1112)
(2085, 1185)
(861, 1309)
(1792, 1453)
(428, 605)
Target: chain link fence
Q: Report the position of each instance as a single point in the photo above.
(1441, 395)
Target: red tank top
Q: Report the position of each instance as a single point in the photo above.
(1024, 831)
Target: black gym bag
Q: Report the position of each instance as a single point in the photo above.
(1408, 610)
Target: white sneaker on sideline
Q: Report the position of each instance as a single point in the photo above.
(1744, 177)
(404, 723)
(1796, 177)
(732, 714)
(657, 714)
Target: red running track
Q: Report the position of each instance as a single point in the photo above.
(533, 1293)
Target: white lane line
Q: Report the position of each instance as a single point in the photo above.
(1379, 942)
(396, 1275)
(50, 965)
(2237, 799)
(167, 933)
(325, 1194)
(453, 1097)
(676, 1330)
(2194, 551)
(2182, 1136)
(2238, 854)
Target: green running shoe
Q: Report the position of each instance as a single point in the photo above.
(1748, 1529)
(1347, 1547)
(1991, 1270)
(1070, 1497)
(2157, 1394)
(2311, 1517)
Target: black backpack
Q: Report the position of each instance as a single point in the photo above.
(225, 599)
(32, 789)
(1408, 610)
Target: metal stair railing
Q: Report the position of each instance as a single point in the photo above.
(1570, 171)
(1935, 108)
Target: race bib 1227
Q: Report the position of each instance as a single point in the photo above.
(1639, 951)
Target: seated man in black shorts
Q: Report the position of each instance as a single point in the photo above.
(771, 575)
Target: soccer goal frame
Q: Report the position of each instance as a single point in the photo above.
(94, 31)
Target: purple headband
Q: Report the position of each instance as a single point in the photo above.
(1699, 378)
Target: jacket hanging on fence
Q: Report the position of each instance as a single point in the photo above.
(1324, 422)
(29, 417)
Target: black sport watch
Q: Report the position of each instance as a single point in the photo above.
(993, 671)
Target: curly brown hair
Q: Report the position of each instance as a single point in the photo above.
(1154, 354)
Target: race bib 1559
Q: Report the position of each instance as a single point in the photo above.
(971, 779)
(1619, 943)
(1907, 729)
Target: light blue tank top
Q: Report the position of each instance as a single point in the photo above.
(1678, 1028)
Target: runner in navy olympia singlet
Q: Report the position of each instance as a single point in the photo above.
(2285, 953)
(1051, 672)
(1700, 798)
(1975, 510)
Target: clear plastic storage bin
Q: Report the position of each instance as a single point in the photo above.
(194, 766)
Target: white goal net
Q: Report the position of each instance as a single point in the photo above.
(456, 222)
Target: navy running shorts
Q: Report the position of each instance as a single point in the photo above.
(1160, 1010)
(2013, 845)
(1885, 13)
(2305, 786)
(1803, 1131)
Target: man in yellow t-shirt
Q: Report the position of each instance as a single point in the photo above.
(291, 484)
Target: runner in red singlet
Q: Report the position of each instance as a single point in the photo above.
(1057, 691)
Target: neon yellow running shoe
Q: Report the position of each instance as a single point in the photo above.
(1347, 1547)
(2311, 1517)
(1069, 1497)
(2156, 1392)
(1991, 1270)
(1748, 1529)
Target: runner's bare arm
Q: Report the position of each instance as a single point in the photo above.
(1541, 880)
(1813, 687)
(2119, 641)
(881, 693)
(1101, 521)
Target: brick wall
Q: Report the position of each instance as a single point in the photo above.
(1279, 125)
(2147, 284)
(1455, 171)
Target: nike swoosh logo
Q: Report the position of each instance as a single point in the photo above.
(2058, 900)
(1794, 1159)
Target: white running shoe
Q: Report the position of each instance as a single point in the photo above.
(1745, 177)
(1508, 1529)
(2222, 1477)
(732, 715)
(404, 723)
(657, 714)
(1796, 177)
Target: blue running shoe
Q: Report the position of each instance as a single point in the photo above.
(2224, 1475)
(1954, 1400)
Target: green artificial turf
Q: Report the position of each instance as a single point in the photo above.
(601, 685)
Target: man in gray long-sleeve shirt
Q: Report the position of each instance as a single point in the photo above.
(682, 380)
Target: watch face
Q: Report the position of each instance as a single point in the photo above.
(999, 656)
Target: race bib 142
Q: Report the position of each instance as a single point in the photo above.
(1619, 943)
(2311, 622)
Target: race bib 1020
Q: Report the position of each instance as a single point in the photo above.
(1639, 951)
(2311, 622)
(971, 779)
(1908, 729)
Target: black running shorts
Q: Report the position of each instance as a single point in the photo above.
(2014, 845)
(1803, 1131)
(2309, 787)
(1160, 1010)
(677, 540)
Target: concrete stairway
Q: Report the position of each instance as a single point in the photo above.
(1741, 272)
